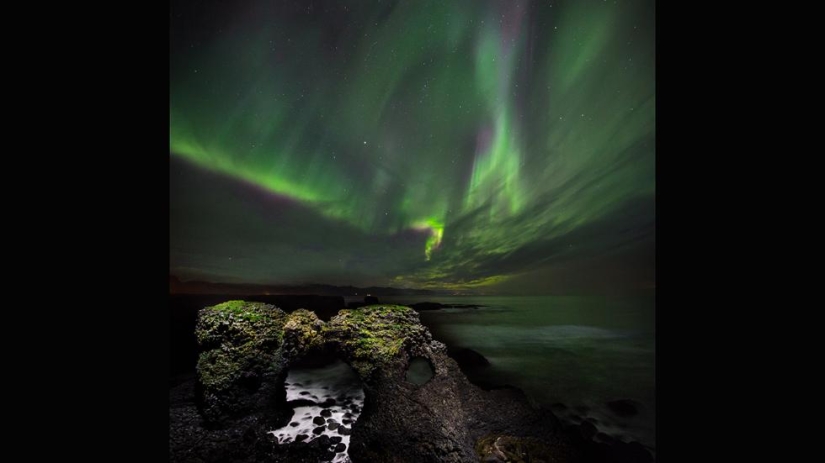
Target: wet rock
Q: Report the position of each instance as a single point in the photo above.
(327, 403)
(587, 430)
(319, 430)
(324, 441)
(603, 437)
(301, 437)
(340, 448)
(467, 358)
(300, 403)
(326, 413)
(294, 424)
(623, 407)
(632, 452)
(336, 439)
(344, 431)
(319, 420)
(333, 426)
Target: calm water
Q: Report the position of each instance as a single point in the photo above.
(580, 351)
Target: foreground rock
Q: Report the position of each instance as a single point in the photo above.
(247, 349)
(239, 368)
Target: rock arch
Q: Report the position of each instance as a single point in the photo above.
(247, 349)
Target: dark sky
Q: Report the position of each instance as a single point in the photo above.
(494, 146)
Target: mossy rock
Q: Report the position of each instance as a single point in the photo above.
(377, 336)
(303, 332)
(239, 342)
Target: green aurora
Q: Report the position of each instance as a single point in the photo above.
(434, 144)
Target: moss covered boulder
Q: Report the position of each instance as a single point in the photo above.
(377, 338)
(238, 369)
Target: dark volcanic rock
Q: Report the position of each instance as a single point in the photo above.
(245, 441)
(300, 403)
(294, 424)
(336, 439)
(326, 413)
(301, 437)
(467, 358)
(632, 452)
(623, 407)
(588, 430)
(340, 448)
(333, 426)
(237, 369)
(602, 437)
(558, 407)
(249, 348)
(319, 420)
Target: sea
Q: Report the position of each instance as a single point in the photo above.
(579, 351)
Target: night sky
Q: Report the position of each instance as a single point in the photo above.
(491, 146)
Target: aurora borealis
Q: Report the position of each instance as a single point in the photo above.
(429, 144)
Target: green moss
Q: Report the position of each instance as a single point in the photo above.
(376, 334)
(247, 310)
(237, 336)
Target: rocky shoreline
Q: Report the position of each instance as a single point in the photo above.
(240, 395)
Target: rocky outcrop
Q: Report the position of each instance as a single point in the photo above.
(623, 407)
(240, 367)
(247, 349)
